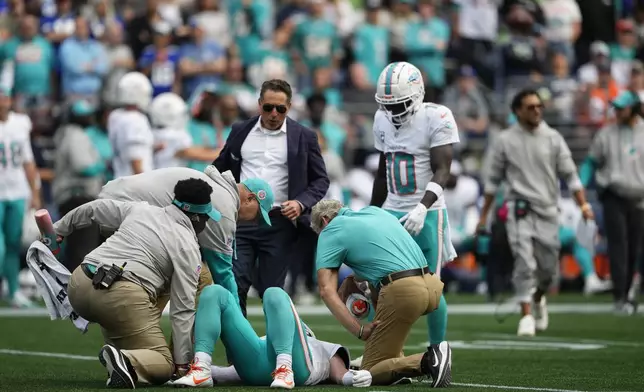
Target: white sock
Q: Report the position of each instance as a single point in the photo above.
(203, 359)
(284, 360)
(224, 374)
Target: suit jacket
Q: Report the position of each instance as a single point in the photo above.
(307, 178)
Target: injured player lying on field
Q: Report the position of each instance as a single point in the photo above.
(287, 356)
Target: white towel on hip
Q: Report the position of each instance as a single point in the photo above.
(52, 278)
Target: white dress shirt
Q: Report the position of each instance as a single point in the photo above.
(264, 155)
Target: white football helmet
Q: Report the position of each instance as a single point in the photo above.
(134, 88)
(168, 110)
(400, 91)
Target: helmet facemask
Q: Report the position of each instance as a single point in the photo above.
(401, 112)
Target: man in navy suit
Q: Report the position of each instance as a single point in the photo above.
(287, 155)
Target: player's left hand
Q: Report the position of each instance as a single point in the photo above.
(415, 219)
(291, 209)
(359, 378)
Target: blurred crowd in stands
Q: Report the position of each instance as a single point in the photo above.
(474, 54)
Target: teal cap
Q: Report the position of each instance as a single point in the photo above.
(624, 100)
(83, 108)
(206, 209)
(264, 195)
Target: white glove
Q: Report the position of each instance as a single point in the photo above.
(357, 378)
(415, 219)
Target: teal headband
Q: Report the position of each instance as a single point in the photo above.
(205, 209)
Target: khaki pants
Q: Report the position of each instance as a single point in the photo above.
(131, 321)
(400, 304)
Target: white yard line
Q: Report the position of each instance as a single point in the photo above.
(459, 384)
(45, 354)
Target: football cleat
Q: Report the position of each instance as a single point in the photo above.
(283, 378)
(594, 285)
(527, 326)
(541, 314)
(117, 369)
(199, 376)
(436, 364)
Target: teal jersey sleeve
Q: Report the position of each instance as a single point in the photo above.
(221, 268)
(587, 171)
(331, 251)
(93, 170)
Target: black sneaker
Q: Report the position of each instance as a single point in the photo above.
(437, 363)
(116, 364)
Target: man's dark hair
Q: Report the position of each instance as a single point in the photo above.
(193, 191)
(517, 101)
(278, 85)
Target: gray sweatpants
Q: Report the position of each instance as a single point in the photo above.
(535, 245)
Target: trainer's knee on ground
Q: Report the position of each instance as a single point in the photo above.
(275, 298)
(216, 294)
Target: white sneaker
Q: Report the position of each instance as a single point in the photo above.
(283, 378)
(540, 311)
(595, 285)
(199, 376)
(526, 326)
(21, 301)
(356, 363)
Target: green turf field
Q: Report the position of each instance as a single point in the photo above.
(580, 352)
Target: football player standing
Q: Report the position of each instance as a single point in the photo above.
(416, 142)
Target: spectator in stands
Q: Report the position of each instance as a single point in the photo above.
(602, 94)
(317, 41)
(213, 21)
(563, 26)
(467, 102)
(563, 87)
(79, 177)
(476, 24)
(10, 19)
(32, 58)
(235, 84)
(402, 15)
(344, 15)
(622, 52)
(160, 61)
(637, 79)
(251, 21)
(334, 135)
(201, 125)
(322, 84)
(370, 48)
(100, 15)
(97, 132)
(140, 30)
(292, 10)
(84, 64)
(521, 56)
(170, 11)
(425, 44)
(120, 59)
(202, 61)
(588, 73)
(60, 25)
(228, 115)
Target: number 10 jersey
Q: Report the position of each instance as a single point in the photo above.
(407, 153)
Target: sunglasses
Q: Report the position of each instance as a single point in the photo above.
(268, 107)
(534, 107)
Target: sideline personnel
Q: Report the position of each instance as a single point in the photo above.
(286, 155)
(379, 250)
(616, 160)
(530, 157)
(159, 246)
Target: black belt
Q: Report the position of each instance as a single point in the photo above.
(404, 274)
(86, 270)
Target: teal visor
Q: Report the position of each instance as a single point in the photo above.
(205, 209)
